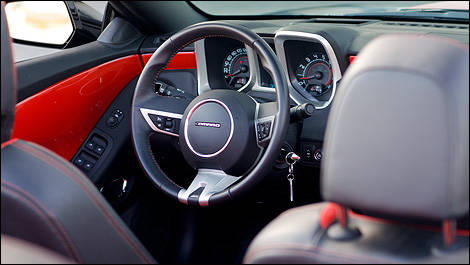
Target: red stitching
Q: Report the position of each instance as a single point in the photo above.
(155, 161)
(95, 199)
(44, 213)
(51, 160)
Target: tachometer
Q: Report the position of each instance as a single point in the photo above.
(314, 74)
(236, 69)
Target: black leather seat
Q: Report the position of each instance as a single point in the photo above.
(48, 201)
(395, 159)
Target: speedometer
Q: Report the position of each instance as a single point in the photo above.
(314, 74)
(236, 68)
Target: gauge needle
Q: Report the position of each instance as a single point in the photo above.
(243, 69)
(316, 75)
(234, 73)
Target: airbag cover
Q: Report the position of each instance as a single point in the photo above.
(209, 128)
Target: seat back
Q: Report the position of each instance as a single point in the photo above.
(397, 136)
(396, 149)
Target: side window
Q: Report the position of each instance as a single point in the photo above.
(39, 28)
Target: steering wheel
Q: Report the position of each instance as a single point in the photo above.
(228, 137)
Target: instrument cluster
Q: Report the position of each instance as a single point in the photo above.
(312, 74)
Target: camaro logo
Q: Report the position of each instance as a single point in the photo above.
(208, 124)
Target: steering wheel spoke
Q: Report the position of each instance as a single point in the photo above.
(206, 183)
(162, 114)
(162, 121)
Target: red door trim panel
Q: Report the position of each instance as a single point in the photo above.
(182, 60)
(61, 116)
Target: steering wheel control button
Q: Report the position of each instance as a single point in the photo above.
(163, 89)
(208, 128)
(159, 88)
(156, 118)
(162, 122)
(264, 129)
(168, 123)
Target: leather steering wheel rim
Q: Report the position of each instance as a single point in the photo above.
(144, 93)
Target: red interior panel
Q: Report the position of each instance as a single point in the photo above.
(61, 116)
(182, 60)
(351, 58)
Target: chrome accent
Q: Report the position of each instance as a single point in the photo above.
(124, 185)
(145, 113)
(254, 71)
(211, 180)
(203, 80)
(201, 66)
(254, 64)
(279, 40)
(186, 127)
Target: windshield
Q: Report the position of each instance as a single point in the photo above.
(429, 9)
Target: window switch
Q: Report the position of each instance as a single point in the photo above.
(99, 149)
(88, 165)
(90, 145)
(79, 161)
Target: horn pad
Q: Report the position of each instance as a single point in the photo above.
(209, 128)
(218, 132)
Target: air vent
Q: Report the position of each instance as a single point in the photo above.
(426, 25)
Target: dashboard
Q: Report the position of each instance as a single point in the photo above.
(314, 55)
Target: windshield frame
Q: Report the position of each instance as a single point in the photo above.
(384, 16)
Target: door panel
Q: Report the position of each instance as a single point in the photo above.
(61, 116)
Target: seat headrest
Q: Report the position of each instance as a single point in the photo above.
(397, 137)
(8, 80)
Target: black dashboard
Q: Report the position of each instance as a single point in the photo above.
(314, 53)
